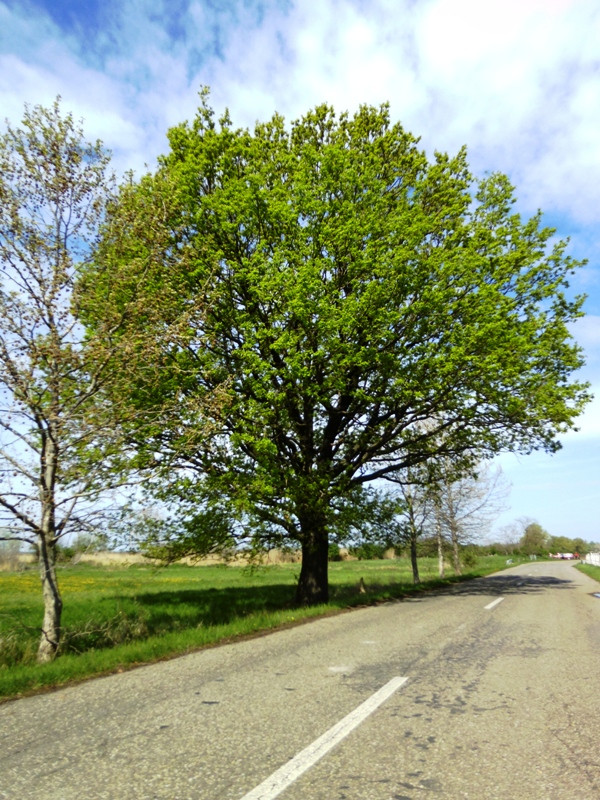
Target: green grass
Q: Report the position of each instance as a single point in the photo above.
(591, 570)
(115, 618)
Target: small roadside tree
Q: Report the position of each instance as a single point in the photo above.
(416, 512)
(354, 290)
(453, 501)
(508, 538)
(535, 540)
(55, 438)
(415, 490)
(10, 551)
(465, 504)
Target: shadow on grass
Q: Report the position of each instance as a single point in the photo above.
(168, 610)
(163, 611)
(128, 630)
(211, 606)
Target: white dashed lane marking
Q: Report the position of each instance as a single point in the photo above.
(286, 775)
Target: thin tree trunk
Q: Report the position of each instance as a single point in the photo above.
(413, 557)
(50, 637)
(455, 550)
(440, 549)
(439, 537)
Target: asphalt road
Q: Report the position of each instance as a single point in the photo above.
(501, 702)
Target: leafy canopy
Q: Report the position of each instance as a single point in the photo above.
(357, 307)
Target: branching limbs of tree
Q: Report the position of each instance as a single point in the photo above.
(62, 441)
(353, 291)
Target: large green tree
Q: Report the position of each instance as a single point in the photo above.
(364, 309)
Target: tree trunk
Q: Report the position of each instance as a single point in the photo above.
(313, 586)
(440, 549)
(455, 550)
(413, 557)
(50, 637)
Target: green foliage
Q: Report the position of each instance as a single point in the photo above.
(65, 553)
(563, 544)
(368, 551)
(82, 543)
(195, 535)
(469, 556)
(534, 540)
(333, 552)
(9, 554)
(427, 547)
(314, 294)
(580, 546)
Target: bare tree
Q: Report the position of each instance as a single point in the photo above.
(415, 518)
(54, 438)
(465, 504)
(64, 422)
(454, 500)
(417, 509)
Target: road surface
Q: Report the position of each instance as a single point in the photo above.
(489, 690)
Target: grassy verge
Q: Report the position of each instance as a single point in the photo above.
(118, 617)
(591, 570)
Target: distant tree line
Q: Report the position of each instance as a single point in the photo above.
(537, 541)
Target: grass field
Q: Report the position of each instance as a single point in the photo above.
(115, 618)
(591, 570)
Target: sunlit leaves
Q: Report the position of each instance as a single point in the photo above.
(340, 290)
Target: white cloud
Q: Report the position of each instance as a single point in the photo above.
(511, 80)
(588, 424)
(333, 52)
(518, 81)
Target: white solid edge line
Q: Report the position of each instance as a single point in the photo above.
(289, 772)
(494, 603)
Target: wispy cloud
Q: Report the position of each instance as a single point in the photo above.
(517, 81)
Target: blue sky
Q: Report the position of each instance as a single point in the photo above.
(517, 81)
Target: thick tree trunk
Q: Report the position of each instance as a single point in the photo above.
(313, 586)
(50, 637)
